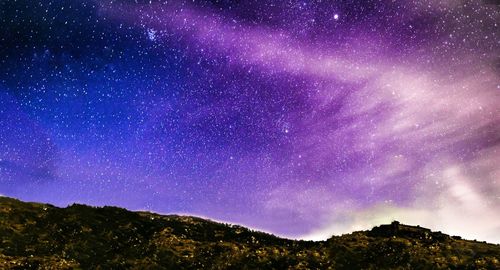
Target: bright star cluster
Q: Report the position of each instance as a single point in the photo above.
(300, 118)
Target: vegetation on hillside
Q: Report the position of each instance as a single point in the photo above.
(41, 236)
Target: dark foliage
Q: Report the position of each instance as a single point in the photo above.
(40, 236)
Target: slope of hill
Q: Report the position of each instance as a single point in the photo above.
(41, 236)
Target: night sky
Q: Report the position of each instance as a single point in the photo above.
(299, 118)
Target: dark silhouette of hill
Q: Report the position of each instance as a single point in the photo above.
(41, 236)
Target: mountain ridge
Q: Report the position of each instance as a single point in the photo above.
(42, 236)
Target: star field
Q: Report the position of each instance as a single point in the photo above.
(301, 118)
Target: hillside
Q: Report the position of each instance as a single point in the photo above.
(41, 236)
